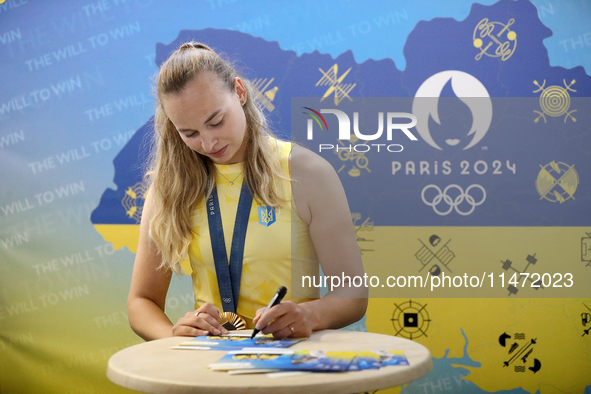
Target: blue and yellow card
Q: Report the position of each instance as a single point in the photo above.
(235, 342)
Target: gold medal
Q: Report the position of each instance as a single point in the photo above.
(231, 321)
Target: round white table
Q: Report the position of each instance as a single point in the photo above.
(154, 367)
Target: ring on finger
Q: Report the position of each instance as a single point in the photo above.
(197, 314)
(291, 328)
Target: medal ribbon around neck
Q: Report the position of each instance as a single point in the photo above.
(228, 275)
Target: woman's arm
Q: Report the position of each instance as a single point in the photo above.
(147, 294)
(322, 204)
(149, 285)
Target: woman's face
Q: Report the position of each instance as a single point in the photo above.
(209, 118)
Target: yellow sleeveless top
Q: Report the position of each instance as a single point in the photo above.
(275, 252)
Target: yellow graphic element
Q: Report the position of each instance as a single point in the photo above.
(2, 1)
(366, 225)
(128, 236)
(341, 90)
(503, 42)
(471, 326)
(263, 96)
(555, 101)
(557, 182)
(395, 248)
(358, 158)
(133, 201)
(267, 216)
(120, 235)
(255, 356)
(465, 327)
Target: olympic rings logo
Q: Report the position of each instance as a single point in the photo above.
(453, 203)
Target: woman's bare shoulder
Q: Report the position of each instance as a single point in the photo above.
(307, 164)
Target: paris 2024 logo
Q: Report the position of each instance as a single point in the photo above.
(468, 90)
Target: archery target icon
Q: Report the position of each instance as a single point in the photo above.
(555, 101)
(410, 320)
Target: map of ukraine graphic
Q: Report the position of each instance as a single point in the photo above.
(433, 46)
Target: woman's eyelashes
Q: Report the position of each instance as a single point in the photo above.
(218, 123)
(196, 133)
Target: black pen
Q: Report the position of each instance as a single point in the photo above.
(274, 301)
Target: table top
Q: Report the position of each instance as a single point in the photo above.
(155, 367)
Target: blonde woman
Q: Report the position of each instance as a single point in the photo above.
(249, 211)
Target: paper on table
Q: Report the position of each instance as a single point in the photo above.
(308, 360)
(285, 359)
(234, 342)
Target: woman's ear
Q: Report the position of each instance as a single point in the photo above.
(240, 90)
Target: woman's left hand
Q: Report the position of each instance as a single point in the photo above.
(287, 319)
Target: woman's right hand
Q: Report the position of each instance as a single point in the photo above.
(204, 321)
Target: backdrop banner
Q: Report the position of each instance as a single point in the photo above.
(459, 130)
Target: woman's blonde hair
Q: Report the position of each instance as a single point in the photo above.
(179, 178)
